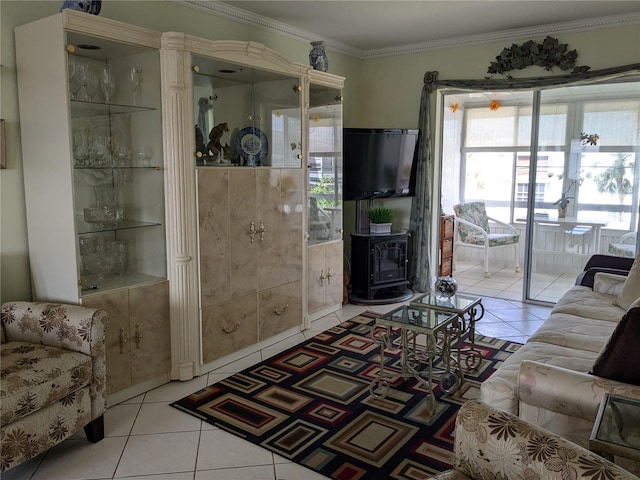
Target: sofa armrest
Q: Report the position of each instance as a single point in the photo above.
(567, 392)
(490, 443)
(71, 327)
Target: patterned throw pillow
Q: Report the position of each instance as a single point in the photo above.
(619, 359)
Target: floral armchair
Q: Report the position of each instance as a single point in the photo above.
(472, 229)
(493, 444)
(53, 377)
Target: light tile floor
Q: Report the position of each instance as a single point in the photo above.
(506, 283)
(147, 439)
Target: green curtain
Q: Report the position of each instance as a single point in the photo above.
(423, 207)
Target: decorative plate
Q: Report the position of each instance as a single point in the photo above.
(252, 145)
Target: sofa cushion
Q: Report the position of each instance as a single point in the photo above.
(620, 357)
(631, 288)
(575, 332)
(34, 376)
(584, 302)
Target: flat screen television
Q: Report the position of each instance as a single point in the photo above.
(379, 162)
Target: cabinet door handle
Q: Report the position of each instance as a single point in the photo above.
(329, 276)
(123, 339)
(252, 231)
(322, 277)
(138, 335)
(261, 231)
(281, 312)
(231, 329)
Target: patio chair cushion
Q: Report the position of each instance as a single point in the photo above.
(495, 239)
(474, 212)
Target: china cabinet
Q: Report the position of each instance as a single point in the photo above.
(89, 96)
(235, 117)
(324, 196)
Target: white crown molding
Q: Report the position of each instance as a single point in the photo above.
(258, 21)
(513, 34)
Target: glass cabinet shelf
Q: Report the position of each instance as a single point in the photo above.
(114, 281)
(84, 227)
(80, 108)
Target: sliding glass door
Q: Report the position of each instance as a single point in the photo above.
(558, 165)
(586, 178)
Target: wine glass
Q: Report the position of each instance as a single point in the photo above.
(74, 80)
(145, 153)
(83, 73)
(134, 82)
(107, 82)
(92, 82)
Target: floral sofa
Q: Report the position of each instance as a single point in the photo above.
(556, 379)
(493, 444)
(53, 377)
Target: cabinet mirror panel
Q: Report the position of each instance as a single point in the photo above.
(244, 116)
(116, 147)
(325, 164)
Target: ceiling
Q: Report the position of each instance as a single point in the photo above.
(368, 28)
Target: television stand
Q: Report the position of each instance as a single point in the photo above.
(379, 268)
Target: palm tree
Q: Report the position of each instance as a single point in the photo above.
(613, 180)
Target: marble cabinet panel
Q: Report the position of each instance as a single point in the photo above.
(250, 241)
(335, 285)
(316, 276)
(279, 309)
(229, 327)
(138, 340)
(150, 344)
(280, 200)
(324, 276)
(116, 304)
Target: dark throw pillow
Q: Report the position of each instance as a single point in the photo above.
(619, 359)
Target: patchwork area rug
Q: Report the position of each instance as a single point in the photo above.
(312, 404)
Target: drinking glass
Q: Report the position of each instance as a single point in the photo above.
(134, 82)
(144, 157)
(107, 82)
(74, 78)
(92, 82)
(83, 72)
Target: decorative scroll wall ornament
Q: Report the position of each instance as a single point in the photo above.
(548, 54)
(430, 79)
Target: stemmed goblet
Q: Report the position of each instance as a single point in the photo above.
(92, 82)
(107, 82)
(134, 82)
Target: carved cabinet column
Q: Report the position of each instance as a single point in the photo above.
(181, 209)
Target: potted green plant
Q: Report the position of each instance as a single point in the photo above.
(380, 219)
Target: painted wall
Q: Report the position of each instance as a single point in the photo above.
(391, 86)
(158, 15)
(381, 92)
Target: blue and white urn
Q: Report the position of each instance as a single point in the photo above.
(318, 57)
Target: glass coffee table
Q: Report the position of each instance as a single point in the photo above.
(616, 431)
(401, 329)
(469, 310)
